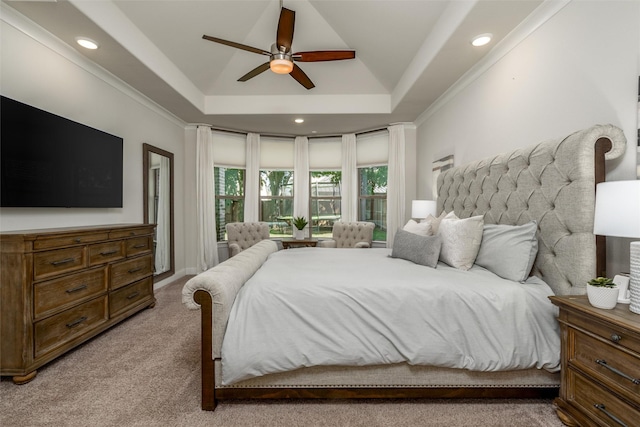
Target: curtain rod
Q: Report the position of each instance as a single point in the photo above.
(273, 135)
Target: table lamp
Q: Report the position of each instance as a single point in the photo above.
(618, 214)
(420, 209)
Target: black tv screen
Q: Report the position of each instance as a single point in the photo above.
(49, 161)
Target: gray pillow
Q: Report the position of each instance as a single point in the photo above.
(423, 250)
(509, 250)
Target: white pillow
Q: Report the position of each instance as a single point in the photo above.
(509, 250)
(434, 222)
(461, 240)
(420, 228)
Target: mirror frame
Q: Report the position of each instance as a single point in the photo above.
(146, 150)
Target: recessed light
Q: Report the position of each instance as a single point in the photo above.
(299, 120)
(86, 43)
(482, 39)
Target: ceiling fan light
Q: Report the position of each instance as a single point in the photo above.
(281, 66)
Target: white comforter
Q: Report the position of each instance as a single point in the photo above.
(318, 306)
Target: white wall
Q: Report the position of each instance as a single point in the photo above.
(578, 69)
(51, 76)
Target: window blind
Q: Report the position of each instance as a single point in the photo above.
(372, 149)
(229, 149)
(325, 153)
(276, 153)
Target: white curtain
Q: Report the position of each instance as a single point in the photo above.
(395, 182)
(301, 178)
(163, 261)
(205, 200)
(252, 178)
(349, 200)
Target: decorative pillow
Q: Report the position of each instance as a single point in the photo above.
(420, 228)
(434, 222)
(509, 250)
(423, 250)
(460, 240)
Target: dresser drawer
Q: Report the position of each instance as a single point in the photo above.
(597, 402)
(68, 240)
(123, 298)
(57, 330)
(51, 263)
(131, 232)
(138, 245)
(608, 332)
(125, 272)
(605, 363)
(102, 253)
(59, 294)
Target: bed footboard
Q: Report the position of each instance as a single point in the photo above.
(207, 375)
(222, 283)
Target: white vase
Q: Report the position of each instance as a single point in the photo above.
(601, 297)
(299, 234)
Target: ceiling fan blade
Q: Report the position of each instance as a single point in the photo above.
(324, 55)
(237, 45)
(301, 77)
(286, 23)
(251, 74)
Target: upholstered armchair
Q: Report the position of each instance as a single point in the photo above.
(357, 234)
(243, 235)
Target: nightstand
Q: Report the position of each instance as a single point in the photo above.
(299, 243)
(600, 382)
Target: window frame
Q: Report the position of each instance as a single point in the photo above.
(261, 197)
(222, 234)
(313, 198)
(372, 197)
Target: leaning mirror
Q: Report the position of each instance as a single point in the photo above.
(157, 167)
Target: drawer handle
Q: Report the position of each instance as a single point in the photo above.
(603, 363)
(142, 245)
(108, 253)
(78, 240)
(76, 289)
(133, 295)
(601, 407)
(135, 270)
(76, 322)
(615, 338)
(62, 261)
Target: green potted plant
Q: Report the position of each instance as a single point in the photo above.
(602, 292)
(299, 222)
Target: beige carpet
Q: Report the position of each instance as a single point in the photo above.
(146, 372)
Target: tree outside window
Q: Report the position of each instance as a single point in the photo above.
(325, 201)
(276, 201)
(229, 206)
(372, 202)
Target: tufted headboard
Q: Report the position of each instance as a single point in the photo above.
(552, 183)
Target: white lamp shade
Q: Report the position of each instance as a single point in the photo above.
(423, 208)
(618, 209)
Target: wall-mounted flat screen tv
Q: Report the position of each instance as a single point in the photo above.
(49, 161)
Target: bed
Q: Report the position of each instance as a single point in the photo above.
(550, 185)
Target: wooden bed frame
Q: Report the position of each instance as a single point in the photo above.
(211, 394)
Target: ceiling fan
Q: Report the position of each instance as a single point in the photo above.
(281, 58)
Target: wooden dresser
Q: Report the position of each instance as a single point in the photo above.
(600, 383)
(60, 287)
